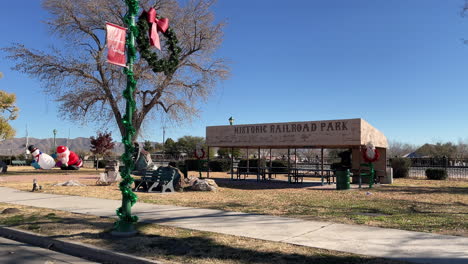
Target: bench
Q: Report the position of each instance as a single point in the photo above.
(367, 170)
(161, 180)
(18, 163)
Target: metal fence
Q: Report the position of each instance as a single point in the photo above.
(456, 168)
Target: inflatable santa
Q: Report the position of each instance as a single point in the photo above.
(68, 159)
(41, 160)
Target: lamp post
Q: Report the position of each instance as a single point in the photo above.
(55, 133)
(231, 121)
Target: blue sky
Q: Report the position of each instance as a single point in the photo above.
(400, 65)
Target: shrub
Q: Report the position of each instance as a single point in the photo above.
(336, 166)
(102, 163)
(279, 166)
(192, 165)
(181, 166)
(220, 165)
(436, 174)
(252, 165)
(401, 167)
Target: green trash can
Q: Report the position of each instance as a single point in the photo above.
(342, 180)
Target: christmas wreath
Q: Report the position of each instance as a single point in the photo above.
(370, 154)
(199, 153)
(150, 22)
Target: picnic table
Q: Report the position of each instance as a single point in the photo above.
(298, 174)
(244, 172)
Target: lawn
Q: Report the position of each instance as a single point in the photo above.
(416, 205)
(172, 245)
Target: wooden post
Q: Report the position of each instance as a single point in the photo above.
(321, 158)
(295, 158)
(248, 165)
(208, 164)
(232, 164)
(289, 167)
(270, 169)
(258, 165)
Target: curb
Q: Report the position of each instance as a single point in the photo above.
(73, 248)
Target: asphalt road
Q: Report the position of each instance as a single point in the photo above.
(12, 252)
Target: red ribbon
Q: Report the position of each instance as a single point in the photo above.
(157, 25)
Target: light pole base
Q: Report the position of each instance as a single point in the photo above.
(123, 234)
(124, 229)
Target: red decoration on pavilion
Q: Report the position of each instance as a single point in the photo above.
(370, 153)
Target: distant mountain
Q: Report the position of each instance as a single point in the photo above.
(18, 146)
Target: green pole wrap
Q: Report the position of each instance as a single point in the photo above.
(372, 174)
(126, 219)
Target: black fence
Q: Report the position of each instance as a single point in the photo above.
(455, 168)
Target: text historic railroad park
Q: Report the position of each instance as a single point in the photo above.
(291, 128)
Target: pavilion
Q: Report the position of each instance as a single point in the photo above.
(351, 134)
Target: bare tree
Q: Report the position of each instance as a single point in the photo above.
(462, 148)
(396, 148)
(89, 89)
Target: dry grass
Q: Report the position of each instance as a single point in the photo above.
(173, 245)
(417, 205)
(29, 170)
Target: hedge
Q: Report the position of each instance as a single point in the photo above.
(252, 165)
(401, 167)
(436, 174)
(192, 165)
(216, 165)
(220, 165)
(278, 166)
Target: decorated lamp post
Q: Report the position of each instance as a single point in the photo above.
(119, 41)
(125, 224)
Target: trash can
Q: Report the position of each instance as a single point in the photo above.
(342, 179)
(388, 179)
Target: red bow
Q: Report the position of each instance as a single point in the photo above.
(157, 25)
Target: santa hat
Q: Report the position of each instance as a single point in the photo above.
(61, 149)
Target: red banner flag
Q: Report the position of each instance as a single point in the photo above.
(116, 44)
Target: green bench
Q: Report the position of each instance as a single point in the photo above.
(161, 180)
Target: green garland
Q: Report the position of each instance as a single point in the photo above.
(126, 219)
(168, 66)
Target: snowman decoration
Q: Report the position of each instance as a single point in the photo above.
(41, 160)
(69, 160)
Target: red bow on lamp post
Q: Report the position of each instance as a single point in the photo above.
(157, 25)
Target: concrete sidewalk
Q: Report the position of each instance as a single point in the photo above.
(380, 242)
(16, 252)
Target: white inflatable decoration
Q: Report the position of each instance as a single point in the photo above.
(44, 160)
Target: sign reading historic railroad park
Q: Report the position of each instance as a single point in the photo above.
(337, 133)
